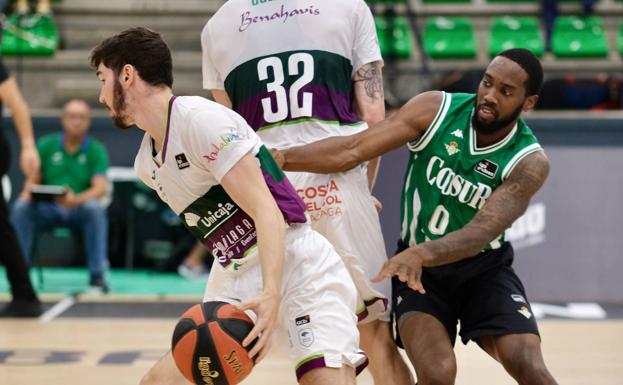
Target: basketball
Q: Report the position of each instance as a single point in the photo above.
(207, 344)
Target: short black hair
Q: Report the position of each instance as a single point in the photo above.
(531, 64)
(140, 47)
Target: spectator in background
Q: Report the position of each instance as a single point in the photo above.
(74, 160)
(25, 302)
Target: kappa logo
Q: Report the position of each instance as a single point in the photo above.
(181, 161)
(458, 133)
(487, 168)
(304, 320)
(452, 148)
(525, 312)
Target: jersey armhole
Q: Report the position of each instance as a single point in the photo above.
(420, 144)
(534, 147)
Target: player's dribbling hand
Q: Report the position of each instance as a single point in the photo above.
(278, 156)
(407, 266)
(266, 306)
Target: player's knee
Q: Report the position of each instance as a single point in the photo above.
(442, 372)
(525, 363)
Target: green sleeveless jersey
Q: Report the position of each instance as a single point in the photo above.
(449, 177)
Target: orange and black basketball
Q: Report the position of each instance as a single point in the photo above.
(207, 344)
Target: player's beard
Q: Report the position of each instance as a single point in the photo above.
(497, 124)
(118, 118)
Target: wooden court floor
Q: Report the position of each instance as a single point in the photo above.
(92, 351)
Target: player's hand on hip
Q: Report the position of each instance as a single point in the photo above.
(266, 307)
(29, 161)
(278, 156)
(407, 266)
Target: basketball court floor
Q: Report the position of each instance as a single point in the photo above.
(114, 339)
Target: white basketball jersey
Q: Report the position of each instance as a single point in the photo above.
(203, 141)
(287, 65)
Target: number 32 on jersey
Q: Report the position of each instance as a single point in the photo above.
(292, 103)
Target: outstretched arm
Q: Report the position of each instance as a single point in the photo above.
(245, 184)
(342, 153)
(507, 203)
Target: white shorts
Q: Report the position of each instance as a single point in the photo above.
(341, 208)
(318, 301)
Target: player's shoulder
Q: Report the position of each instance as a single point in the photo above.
(195, 113)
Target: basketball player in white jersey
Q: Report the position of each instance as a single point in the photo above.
(209, 166)
(299, 72)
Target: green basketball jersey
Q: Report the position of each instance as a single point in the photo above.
(449, 178)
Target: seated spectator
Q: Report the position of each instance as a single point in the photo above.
(72, 159)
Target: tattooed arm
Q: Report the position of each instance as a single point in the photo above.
(369, 103)
(507, 203)
(341, 153)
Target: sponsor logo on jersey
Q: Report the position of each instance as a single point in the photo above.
(452, 184)
(458, 133)
(302, 320)
(452, 148)
(191, 219)
(524, 312)
(222, 212)
(247, 18)
(181, 161)
(487, 168)
(216, 148)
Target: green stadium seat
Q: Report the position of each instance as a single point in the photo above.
(394, 34)
(401, 42)
(449, 38)
(515, 32)
(621, 38)
(383, 34)
(29, 35)
(579, 37)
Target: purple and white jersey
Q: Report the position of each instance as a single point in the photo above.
(287, 66)
(203, 141)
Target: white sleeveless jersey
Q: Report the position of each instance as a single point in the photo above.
(287, 65)
(203, 141)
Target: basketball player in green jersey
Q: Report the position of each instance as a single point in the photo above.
(473, 168)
